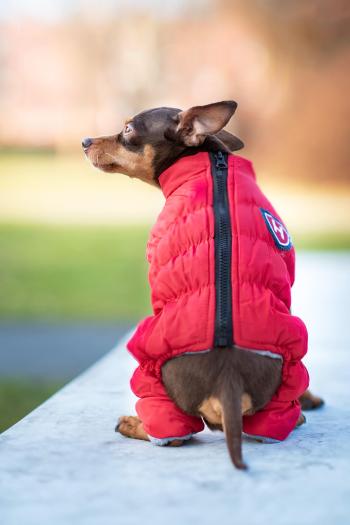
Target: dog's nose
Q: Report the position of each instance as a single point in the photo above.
(86, 143)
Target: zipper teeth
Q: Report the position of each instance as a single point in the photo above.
(223, 267)
(223, 314)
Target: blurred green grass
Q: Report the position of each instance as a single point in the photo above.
(79, 273)
(73, 273)
(322, 241)
(65, 273)
(18, 397)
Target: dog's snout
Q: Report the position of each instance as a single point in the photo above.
(86, 142)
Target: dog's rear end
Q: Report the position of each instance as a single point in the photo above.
(221, 386)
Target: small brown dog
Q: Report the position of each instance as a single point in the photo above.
(148, 144)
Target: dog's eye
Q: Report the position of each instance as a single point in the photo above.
(128, 129)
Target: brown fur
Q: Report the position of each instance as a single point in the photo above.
(108, 155)
(192, 380)
(210, 384)
(131, 426)
(222, 384)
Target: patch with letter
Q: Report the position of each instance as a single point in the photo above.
(278, 231)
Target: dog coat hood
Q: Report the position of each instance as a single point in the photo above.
(221, 271)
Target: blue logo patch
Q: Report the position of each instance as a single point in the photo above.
(278, 231)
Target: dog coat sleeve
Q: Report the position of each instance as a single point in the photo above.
(280, 415)
(272, 420)
(162, 420)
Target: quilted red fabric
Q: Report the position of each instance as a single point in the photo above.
(181, 253)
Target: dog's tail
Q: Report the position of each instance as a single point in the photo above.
(231, 395)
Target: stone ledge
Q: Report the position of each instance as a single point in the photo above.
(64, 464)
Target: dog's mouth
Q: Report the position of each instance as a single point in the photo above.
(110, 167)
(101, 164)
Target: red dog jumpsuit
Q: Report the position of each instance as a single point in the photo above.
(221, 271)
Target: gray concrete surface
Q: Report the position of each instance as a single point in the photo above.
(63, 464)
(54, 351)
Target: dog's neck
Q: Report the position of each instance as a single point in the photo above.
(211, 144)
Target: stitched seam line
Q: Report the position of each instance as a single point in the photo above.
(189, 292)
(183, 218)
(181, 254)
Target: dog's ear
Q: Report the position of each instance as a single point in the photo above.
(194, 124)
(231, 142)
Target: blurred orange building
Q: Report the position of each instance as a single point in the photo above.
(286, 63)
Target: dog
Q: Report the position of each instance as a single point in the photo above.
(229, 385)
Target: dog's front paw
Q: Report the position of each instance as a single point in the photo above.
(131, 426)
(127, 425)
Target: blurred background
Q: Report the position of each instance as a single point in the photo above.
(73, 276)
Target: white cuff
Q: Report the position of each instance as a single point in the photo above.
(164, 441)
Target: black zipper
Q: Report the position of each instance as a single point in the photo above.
(223, 335)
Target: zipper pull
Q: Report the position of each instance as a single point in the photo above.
(220, 160)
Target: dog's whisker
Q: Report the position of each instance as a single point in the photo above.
(112, 157)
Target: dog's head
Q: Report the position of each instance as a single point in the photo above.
(153, 140)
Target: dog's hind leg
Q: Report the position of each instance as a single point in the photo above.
(309, 401)
(132, 427)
